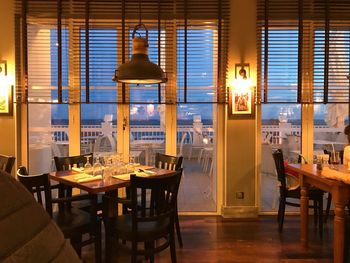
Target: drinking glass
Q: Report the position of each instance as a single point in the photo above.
(108, 170)
(325, 160)
(335, 158)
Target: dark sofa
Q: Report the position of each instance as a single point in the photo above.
(27, 233)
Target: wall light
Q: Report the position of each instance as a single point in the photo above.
(241, 95)
(3, 68)
(6, 90)
(242, 77)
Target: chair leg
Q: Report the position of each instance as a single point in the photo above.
(108, 252)
(133, 251)
(109, 242)
(178, 231)
(281, 211)
(320, 216)
(149, 247)
(315, 212)
(75, 241)
(172, 245)
(98, 245)
(328, 208)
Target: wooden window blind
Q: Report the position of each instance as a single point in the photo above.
(69, 50)
(303, 51)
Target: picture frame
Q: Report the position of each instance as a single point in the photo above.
(242, 94)
(6, 100)
(241, 104)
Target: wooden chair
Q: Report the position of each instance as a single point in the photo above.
(169, 162)
(315, 195)
(73, 222)
(6, 163)
(151, 220)
(66, 163)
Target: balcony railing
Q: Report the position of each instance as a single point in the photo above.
(138, 132)
(270, 133)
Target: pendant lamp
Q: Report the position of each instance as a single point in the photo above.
(139, 70)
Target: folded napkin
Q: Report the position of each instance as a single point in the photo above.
(88, 178)
(142, 172)
(78, 169)
(126, 177)
(336, 175)
(144, 167)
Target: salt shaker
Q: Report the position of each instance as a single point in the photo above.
(325, 160)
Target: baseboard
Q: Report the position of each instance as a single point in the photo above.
(240, 212)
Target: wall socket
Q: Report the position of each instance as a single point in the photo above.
(239, 195)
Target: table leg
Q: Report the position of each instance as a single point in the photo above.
(339, 230)
(304, 210)
(110, 210)
(97, 228)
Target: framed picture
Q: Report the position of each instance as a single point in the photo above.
(241, 104)
(6, 100)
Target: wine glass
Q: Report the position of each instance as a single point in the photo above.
(131, 166)
(97, 168)
(88, 166)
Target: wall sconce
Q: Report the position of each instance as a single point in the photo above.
(241, 95)
(3, 68)
(6, 91)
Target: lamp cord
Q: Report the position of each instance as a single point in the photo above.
(140, 12)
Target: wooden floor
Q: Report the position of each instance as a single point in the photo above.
(211, 239)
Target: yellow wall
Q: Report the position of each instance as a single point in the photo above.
(241, 134)
(7, 52)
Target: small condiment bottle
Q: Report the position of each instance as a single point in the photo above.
(319, 162)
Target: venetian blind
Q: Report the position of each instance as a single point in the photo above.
(303, 51)
(70, 49)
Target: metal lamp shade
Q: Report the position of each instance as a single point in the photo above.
(140, 70)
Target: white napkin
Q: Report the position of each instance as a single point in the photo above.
(88, 178)
(126, 177)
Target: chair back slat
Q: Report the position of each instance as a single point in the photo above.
(6, 163)
(279, 163)
(168, 162)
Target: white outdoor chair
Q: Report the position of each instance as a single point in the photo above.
(105, 143)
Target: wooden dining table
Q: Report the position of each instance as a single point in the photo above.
(99, 186)
(309, 175)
